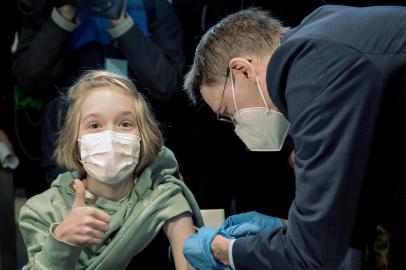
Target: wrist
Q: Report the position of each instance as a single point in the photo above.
(58, 233)
(68, 12)
(115, 23)
(219, 249)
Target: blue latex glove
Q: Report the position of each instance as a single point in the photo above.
(250, 223)
(197, 250)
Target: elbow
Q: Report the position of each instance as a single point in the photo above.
(335, 261)
(170, 82)
(316, 258)
(162, 96)
(346, 261)
(164, 92)
(166, 95)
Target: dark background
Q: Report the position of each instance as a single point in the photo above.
(215, 164)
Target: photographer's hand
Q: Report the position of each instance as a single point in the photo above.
(114, 23)
(67, 11)
(4, 139)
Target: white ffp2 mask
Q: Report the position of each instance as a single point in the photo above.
(109, 156)
(260, 128)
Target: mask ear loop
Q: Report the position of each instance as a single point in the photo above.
(258, 86)
(261, 93)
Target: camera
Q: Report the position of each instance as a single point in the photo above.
(103, 8)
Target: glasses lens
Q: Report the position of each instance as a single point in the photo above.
(224, 118)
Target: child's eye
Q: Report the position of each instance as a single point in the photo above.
(125, 124)
(94, 125)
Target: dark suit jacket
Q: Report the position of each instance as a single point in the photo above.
(340, 79)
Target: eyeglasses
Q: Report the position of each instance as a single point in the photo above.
(220, 115)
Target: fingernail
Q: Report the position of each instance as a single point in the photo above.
(74, 183)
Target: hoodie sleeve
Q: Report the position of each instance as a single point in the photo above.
(44, 250)
(166, 166)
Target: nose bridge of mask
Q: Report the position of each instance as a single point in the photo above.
(109, 141)
(110, 156)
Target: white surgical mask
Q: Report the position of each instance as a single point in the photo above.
(109, 156)
(260, 128)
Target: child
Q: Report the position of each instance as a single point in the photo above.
(121, 189)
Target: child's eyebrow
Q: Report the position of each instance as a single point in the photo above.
(91, 115)
(125, 113)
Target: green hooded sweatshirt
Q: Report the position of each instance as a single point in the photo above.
(156, 197)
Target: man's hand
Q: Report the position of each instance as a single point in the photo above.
(250, 223)
(85, 225)
(219, 248)
(198, 247)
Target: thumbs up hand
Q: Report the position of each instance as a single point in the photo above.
(85, 225)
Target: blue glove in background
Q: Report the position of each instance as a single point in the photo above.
(197, 250)
(250, 223)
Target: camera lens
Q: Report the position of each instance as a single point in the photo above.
(99, 5)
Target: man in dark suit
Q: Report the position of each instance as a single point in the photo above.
(337, 82)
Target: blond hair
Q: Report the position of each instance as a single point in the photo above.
(247, 32)
(67, 154)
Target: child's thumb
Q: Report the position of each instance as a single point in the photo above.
(80, 194)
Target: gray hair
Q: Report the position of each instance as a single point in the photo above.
(248, 32)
